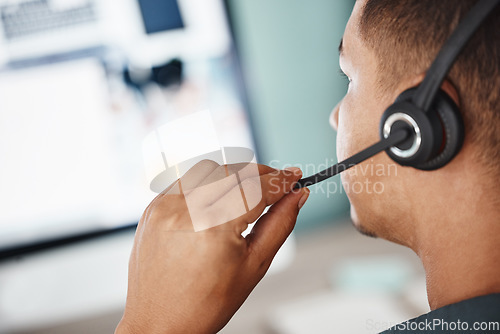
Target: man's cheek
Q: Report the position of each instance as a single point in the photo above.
(342, 138)
(347, 142)
(347, 180)
(339, 146)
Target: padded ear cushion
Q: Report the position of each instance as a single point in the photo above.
(451, 124)
(453, 128)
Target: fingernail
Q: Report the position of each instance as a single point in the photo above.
(295, 170)
(304, 197)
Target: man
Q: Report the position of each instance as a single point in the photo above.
(181, 281)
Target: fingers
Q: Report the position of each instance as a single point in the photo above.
(275, 185)
(226, 177)
(246, 201)
(189, 180)
(244, 170)
(214, 198)
(272, 229)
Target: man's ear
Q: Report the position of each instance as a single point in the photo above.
(450, 89)
(447, 86)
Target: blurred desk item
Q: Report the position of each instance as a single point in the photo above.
(32, 17)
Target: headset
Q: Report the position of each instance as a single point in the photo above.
(423, 128)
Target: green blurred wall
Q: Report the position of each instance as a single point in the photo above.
(290, 61)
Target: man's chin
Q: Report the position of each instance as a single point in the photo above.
(363, 230)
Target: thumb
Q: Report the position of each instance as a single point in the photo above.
(272, 229)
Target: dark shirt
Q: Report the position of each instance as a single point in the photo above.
(476, 315)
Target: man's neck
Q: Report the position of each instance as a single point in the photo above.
(461, 254)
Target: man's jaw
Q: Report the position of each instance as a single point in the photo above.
(359, 226)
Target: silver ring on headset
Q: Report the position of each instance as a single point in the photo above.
(411, 122)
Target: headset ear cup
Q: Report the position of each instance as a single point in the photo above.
(453, 131)
(424, 141)
(441, 130)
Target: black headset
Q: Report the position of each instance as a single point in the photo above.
(423, 128)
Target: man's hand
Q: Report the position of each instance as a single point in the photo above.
(182, 281)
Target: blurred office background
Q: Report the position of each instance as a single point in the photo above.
(83, 82)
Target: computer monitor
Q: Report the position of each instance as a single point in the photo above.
(74, 113)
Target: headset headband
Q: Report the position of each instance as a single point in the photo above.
(426, 92)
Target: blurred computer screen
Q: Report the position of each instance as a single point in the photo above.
(82, 82)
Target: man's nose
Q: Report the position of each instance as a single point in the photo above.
(334, 117)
